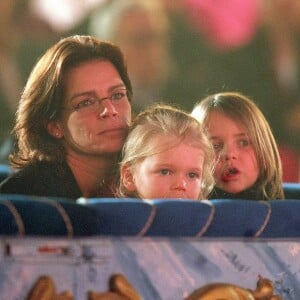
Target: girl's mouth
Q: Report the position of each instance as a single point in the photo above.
(229, 174)
(232, 171)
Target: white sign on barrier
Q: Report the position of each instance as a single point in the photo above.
(158, 268)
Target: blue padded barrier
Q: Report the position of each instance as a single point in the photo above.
(175, 217)
(284, 219)
(189, 218)
(32, 216)
(29, 215)
(291, 190)
(238, 218)
(125, 216)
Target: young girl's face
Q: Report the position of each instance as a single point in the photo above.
(236, 167)
(173, 173)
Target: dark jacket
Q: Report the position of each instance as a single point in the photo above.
(42, 179)
(251, 193)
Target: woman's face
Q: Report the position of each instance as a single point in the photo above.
(91, 123)
(236, 166)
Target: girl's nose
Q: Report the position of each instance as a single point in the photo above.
(180, 183)
(107, 109)
(228, 153)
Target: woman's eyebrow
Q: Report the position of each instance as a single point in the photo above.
(86, 93)
(92, 92)
(117, 86)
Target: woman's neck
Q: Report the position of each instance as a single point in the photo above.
(92, 172)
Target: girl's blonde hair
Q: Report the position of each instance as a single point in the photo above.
(168, 121)
(244, 111)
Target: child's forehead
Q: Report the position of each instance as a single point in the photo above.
(168, 138)
(218, 117)
(160, 139)
(229, 112)
(219, 122)
(161, 142)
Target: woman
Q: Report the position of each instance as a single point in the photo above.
(72, 121)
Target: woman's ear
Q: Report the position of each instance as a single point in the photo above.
(127, 178)
(54, 128)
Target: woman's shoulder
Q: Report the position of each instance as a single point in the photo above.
(38, 169)
(42, 179)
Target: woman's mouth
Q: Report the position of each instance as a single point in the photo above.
(113, 131)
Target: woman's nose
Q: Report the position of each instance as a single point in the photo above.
(107, 109)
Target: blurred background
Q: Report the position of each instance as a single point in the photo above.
(177, 51)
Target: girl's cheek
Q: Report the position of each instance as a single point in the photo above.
(218, 169)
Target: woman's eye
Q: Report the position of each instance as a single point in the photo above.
(84, 103)
(118, 96)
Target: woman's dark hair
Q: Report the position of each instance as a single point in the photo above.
(43, 96)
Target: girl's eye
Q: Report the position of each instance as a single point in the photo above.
(165, 172)
(217, 146)
(244, 142)
(193, 175)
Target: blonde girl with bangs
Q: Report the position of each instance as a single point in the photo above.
(166, 155)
